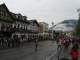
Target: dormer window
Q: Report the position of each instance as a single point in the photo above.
(16, 16)
(24, 17)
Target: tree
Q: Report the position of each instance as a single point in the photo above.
(77, 29)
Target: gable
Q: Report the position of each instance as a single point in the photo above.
(33, 22)
(5, 14)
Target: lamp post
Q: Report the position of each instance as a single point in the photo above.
(52, 29)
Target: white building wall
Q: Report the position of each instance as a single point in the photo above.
(33, 28)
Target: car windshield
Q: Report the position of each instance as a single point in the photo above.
(39, 29)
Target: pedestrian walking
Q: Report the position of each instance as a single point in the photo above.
(66, 44)
(59, 42)
(74, 52)
(36, 44)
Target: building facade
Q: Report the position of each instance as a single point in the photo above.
(20, 24)
(43, 27)
(6, 20)
(33, 26)
(16, 23)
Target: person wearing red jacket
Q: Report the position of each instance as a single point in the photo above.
(74, 53)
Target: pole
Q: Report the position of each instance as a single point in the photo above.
(52, 29)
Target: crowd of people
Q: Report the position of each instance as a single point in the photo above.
(6, 42)
(17, 40)
(65, 42)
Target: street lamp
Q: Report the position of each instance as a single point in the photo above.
(52, 29)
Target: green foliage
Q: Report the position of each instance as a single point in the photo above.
(77, 30)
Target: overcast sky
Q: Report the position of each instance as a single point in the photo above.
(45, 10)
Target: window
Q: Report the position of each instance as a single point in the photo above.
(16, 16)
(25, 27)
(6, 14)
(13, 25)
(1, 13)
(18, 25)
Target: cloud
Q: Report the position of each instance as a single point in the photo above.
(47, 10)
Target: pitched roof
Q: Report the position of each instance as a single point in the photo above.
(4, 6)
(33, 21)
(17, 19)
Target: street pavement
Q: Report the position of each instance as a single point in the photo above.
(46, 50)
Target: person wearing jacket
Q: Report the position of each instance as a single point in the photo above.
(74, 52)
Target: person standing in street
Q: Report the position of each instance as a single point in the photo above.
(74, 52)
(36, 45)
(59, 43)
